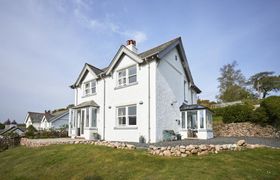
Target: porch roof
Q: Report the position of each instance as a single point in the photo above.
(86, 104)
(185, 107)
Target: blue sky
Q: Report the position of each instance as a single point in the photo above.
(44, 44)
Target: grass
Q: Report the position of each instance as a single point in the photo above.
(97, 162)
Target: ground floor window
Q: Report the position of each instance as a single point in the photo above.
(127, 115)
(93, 117)
(192, 119)
(209, 120)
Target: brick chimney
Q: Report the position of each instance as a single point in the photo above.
(131, 45)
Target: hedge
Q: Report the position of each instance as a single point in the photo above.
(237, 113)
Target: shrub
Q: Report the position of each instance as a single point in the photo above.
(30, 132)
(271, 106)
(260, 116)
(218, 111)
(237, 113)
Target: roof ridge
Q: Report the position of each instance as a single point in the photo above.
(157, 47)
(35, 112)
(94, 66)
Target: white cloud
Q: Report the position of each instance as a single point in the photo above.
(106, 25)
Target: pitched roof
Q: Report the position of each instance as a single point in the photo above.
(96, 70)
(35, 116)
(58, 114)
(48, 116)
(185, 107)
(10, 130)
(86, 104)
(158, 49)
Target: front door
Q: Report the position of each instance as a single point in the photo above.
(192, 123)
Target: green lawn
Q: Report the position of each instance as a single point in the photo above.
(97, 162)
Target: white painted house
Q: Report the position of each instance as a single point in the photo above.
(139, 95)
(47, 120)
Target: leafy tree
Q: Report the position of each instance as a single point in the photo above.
(2, 126)
(232, 84)
(265, 82)
(235, 93)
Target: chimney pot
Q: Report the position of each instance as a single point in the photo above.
(131, 42)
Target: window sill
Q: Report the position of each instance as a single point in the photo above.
(91, 128)
(126, 127)
(120, 87)
(89, 95)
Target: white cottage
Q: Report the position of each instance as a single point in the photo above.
(138, 96)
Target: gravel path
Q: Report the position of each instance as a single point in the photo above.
(273, 142)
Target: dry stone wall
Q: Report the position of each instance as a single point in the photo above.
(203, 149)
(245, 129)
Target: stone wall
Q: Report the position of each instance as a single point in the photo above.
(203, 149)
(245, 129)
(37, 143)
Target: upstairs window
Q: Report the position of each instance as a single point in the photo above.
(89, 88)
(127, 76)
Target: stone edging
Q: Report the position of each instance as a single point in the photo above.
(31, 143)
(203, 149)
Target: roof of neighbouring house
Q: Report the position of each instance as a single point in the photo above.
(36, 117)
(11, 129)
(58, 114)
(86, 104)
(48, 116)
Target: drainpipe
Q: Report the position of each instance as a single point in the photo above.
(149, 103)
(104, 107)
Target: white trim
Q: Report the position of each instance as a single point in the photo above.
(129, 53)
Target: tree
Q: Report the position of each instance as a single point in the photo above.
(2, 126)
(235, 93)
(265, 82)
(232, 84)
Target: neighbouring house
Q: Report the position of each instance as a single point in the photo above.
(34, 119)
(55, 120)
(48, 120)
(139, 96)
(11, 127)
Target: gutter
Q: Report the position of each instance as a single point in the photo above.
(104, 107)
(149, 102)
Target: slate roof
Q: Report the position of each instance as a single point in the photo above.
(157, 49)
(48, 116)
(36, 117)
(86, 104)
(185, 107)
(96, 70)
(10, 130)
(58, 114)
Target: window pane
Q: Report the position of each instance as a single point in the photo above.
(132, 110)
(201, 119)
(132, 70)
(122, 73)
(132, 79)
(87, 117)
(183, 120)
(93, 90)
(93, 117)
(121, 111)
(122, 121)
(87, 85)
(132, 120)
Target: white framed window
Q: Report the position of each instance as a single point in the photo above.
(122, 77)
(132, 77)
(127, 76)
(89, 87)
(93, 117)
(127, 115)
